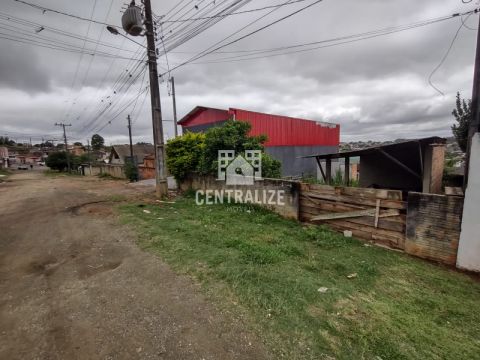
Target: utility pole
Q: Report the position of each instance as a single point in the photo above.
(475, 121)
(161, 180)
(89, 153)
(130, 137)
(172, 80)
(65, 140)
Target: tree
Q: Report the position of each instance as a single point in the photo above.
(199, 152)
(58, 161)
(97, 142)
(463, 116)
(78, 143)
(4, 140)
(184, 154)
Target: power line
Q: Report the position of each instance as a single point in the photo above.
(45, 9)
(247, 35)
(234, 13)
(444, 58)
(253, 54)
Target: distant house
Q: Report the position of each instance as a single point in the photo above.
(121, 153)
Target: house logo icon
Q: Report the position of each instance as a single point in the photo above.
(239, 170)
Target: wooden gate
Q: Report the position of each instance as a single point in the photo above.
(371, 214)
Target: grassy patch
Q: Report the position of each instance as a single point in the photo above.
(55, 173)
(397, 307)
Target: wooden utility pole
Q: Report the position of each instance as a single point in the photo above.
(130, 137)
(161, 180)
(475, 122)
(66, 143)
(172, 80)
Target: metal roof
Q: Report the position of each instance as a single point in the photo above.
(369, 150)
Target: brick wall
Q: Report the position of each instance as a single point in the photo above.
(433, 226)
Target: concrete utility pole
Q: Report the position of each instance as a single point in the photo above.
(130, 137)
(65, 140)
(161, 180)
(475, 123)
(172, 80)
(89, 153)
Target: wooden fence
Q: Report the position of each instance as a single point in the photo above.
(370, 214)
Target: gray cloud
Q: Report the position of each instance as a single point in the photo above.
(375, 89)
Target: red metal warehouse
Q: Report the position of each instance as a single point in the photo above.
(288, 138)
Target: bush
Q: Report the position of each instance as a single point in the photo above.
(195, 152)
(58, 161)
(131, 171)
(233, 135)
(184, 153)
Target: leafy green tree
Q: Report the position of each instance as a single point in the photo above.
(194, 152)
(233, 135)
(97, 142)
(5, 140)
(78, 143)
(463, 116)
(57, 161)
(184, 154)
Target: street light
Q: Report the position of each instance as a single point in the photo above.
(113, 30)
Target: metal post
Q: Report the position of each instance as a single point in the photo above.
(172, 80)
(475, 121)
(161, 181)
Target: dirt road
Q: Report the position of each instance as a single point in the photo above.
(73, 284)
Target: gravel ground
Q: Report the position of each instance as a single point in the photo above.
(74, 285)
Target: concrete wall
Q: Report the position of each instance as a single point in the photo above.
(469, 247)
(293, 164)
(291, 191)
(116, 171)
(433, 226)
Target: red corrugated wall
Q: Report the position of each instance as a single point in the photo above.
(286, 131)
(207, 116)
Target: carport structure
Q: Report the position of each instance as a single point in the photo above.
(412, 165)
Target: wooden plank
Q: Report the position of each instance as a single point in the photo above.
(321, 169)
(377, 212)
(354, 191)
(383, 223)
(344, 215)
(347, 171)
(391, 204)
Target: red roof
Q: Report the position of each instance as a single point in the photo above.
(280, 130)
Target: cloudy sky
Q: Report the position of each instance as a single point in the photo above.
(376, 89)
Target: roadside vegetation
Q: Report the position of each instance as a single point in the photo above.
(311, 293)
(198, 153)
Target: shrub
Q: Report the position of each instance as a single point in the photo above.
(131, 171)
(194, 152)
(58, 161)
(184, 153)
